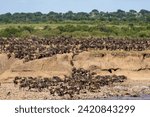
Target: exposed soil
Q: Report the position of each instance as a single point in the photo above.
(127, 89)
(129, 64)
(103, 70)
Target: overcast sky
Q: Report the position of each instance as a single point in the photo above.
(74, 5)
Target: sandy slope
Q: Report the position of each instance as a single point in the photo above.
(130, 64)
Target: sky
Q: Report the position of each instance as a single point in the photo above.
(46, 6)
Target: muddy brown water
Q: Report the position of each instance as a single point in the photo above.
(142, 97)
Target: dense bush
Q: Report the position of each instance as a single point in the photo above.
(10, 32)
(79, 30)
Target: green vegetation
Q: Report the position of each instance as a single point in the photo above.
(118, 24)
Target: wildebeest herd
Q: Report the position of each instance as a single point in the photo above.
(80, 81)
(35, 48)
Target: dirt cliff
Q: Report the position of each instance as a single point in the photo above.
(134, 65)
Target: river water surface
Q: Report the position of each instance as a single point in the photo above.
(142, 97)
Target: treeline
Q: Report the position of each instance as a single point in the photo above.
(38, 17)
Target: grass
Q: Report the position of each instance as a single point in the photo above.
(41, 25)
(78, 29)
(36, 26)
